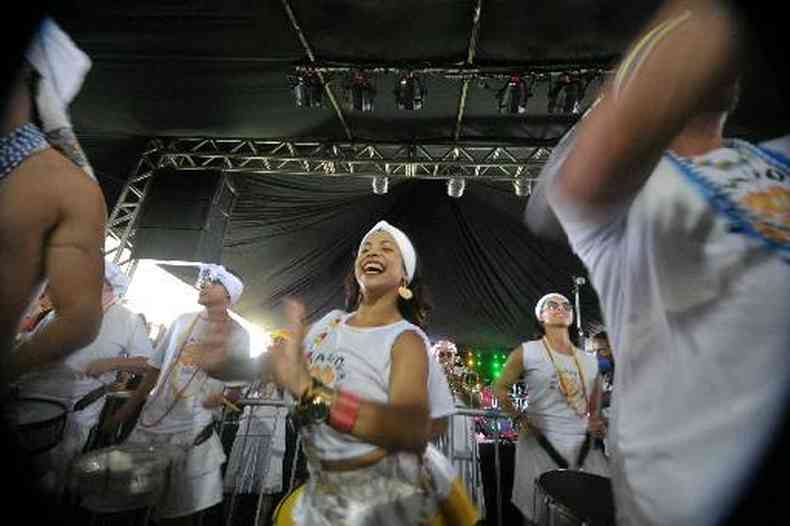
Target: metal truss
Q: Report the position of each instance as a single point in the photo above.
(396, 160)
(122, 222)
(310, 158)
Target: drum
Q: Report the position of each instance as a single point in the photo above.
(38, 423)
(568, 497)
(121, 478)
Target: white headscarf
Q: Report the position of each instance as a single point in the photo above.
(116, 278)
(62, 66)
(232, 284)
(542, 301)
(407, 252)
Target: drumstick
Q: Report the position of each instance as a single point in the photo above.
(230, 405)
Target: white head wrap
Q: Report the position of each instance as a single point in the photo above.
(62, 66)
(542, 301)
(232, 284)
(116, 278)
(407, 251)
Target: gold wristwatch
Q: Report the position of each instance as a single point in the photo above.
(314, 405)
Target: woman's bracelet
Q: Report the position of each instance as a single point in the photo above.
(344, 412)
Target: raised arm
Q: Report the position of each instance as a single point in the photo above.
(664, 79)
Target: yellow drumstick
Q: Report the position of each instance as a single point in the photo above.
(231, 405)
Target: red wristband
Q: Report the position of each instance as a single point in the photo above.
(344, 412)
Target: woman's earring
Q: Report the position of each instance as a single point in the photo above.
(405, 292)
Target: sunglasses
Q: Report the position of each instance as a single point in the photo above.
(553, 305)
(207, 281)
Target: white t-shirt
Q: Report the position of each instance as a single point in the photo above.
(181, 389)
(122, 332)
(697, 312)
(360, 358)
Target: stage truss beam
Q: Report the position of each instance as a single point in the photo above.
(310, 158)
(410, 161)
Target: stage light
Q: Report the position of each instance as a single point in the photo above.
(522, 186)
(566, 94)
(360, 93)
(308, 91)
(410, 92)
(513, 96)
(381, 184)
(456, 186)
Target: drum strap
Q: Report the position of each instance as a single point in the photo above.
(557, 457)
(204, 434)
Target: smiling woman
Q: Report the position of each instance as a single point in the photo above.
(358, 377)
(374, 265)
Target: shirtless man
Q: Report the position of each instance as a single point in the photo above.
(52, 217)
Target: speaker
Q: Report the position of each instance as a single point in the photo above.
(184, 216)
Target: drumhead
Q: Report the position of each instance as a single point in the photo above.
(35, 411)
(587, 496)
(120, 478)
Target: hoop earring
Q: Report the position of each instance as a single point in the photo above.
(405, 292)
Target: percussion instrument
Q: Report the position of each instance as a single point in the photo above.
(121, 478)
(573, 498)
(38, 423)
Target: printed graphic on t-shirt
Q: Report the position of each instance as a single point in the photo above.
(186, 380)
(328, 367)
(568, 382)
(320, 337)
(751, 190)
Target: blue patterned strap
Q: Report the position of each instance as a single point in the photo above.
(18, 145)
(754, 213)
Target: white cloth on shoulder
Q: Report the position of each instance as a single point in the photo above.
(62, 66)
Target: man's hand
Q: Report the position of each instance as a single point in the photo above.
(597, 427)
(98, 367)
(214, 400)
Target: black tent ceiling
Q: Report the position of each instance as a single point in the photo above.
(220, 69)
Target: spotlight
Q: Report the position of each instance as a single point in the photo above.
(456, 186)
(308, 91)
(522, 186)
(410, 92)
(513, 96)
(381, 184)
(566, 94)
(360, 93)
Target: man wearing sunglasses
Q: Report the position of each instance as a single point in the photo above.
(197, 348)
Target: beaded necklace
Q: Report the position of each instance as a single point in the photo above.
(564, 388)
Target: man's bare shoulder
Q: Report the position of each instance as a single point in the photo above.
(61, 175)
(47, 183)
